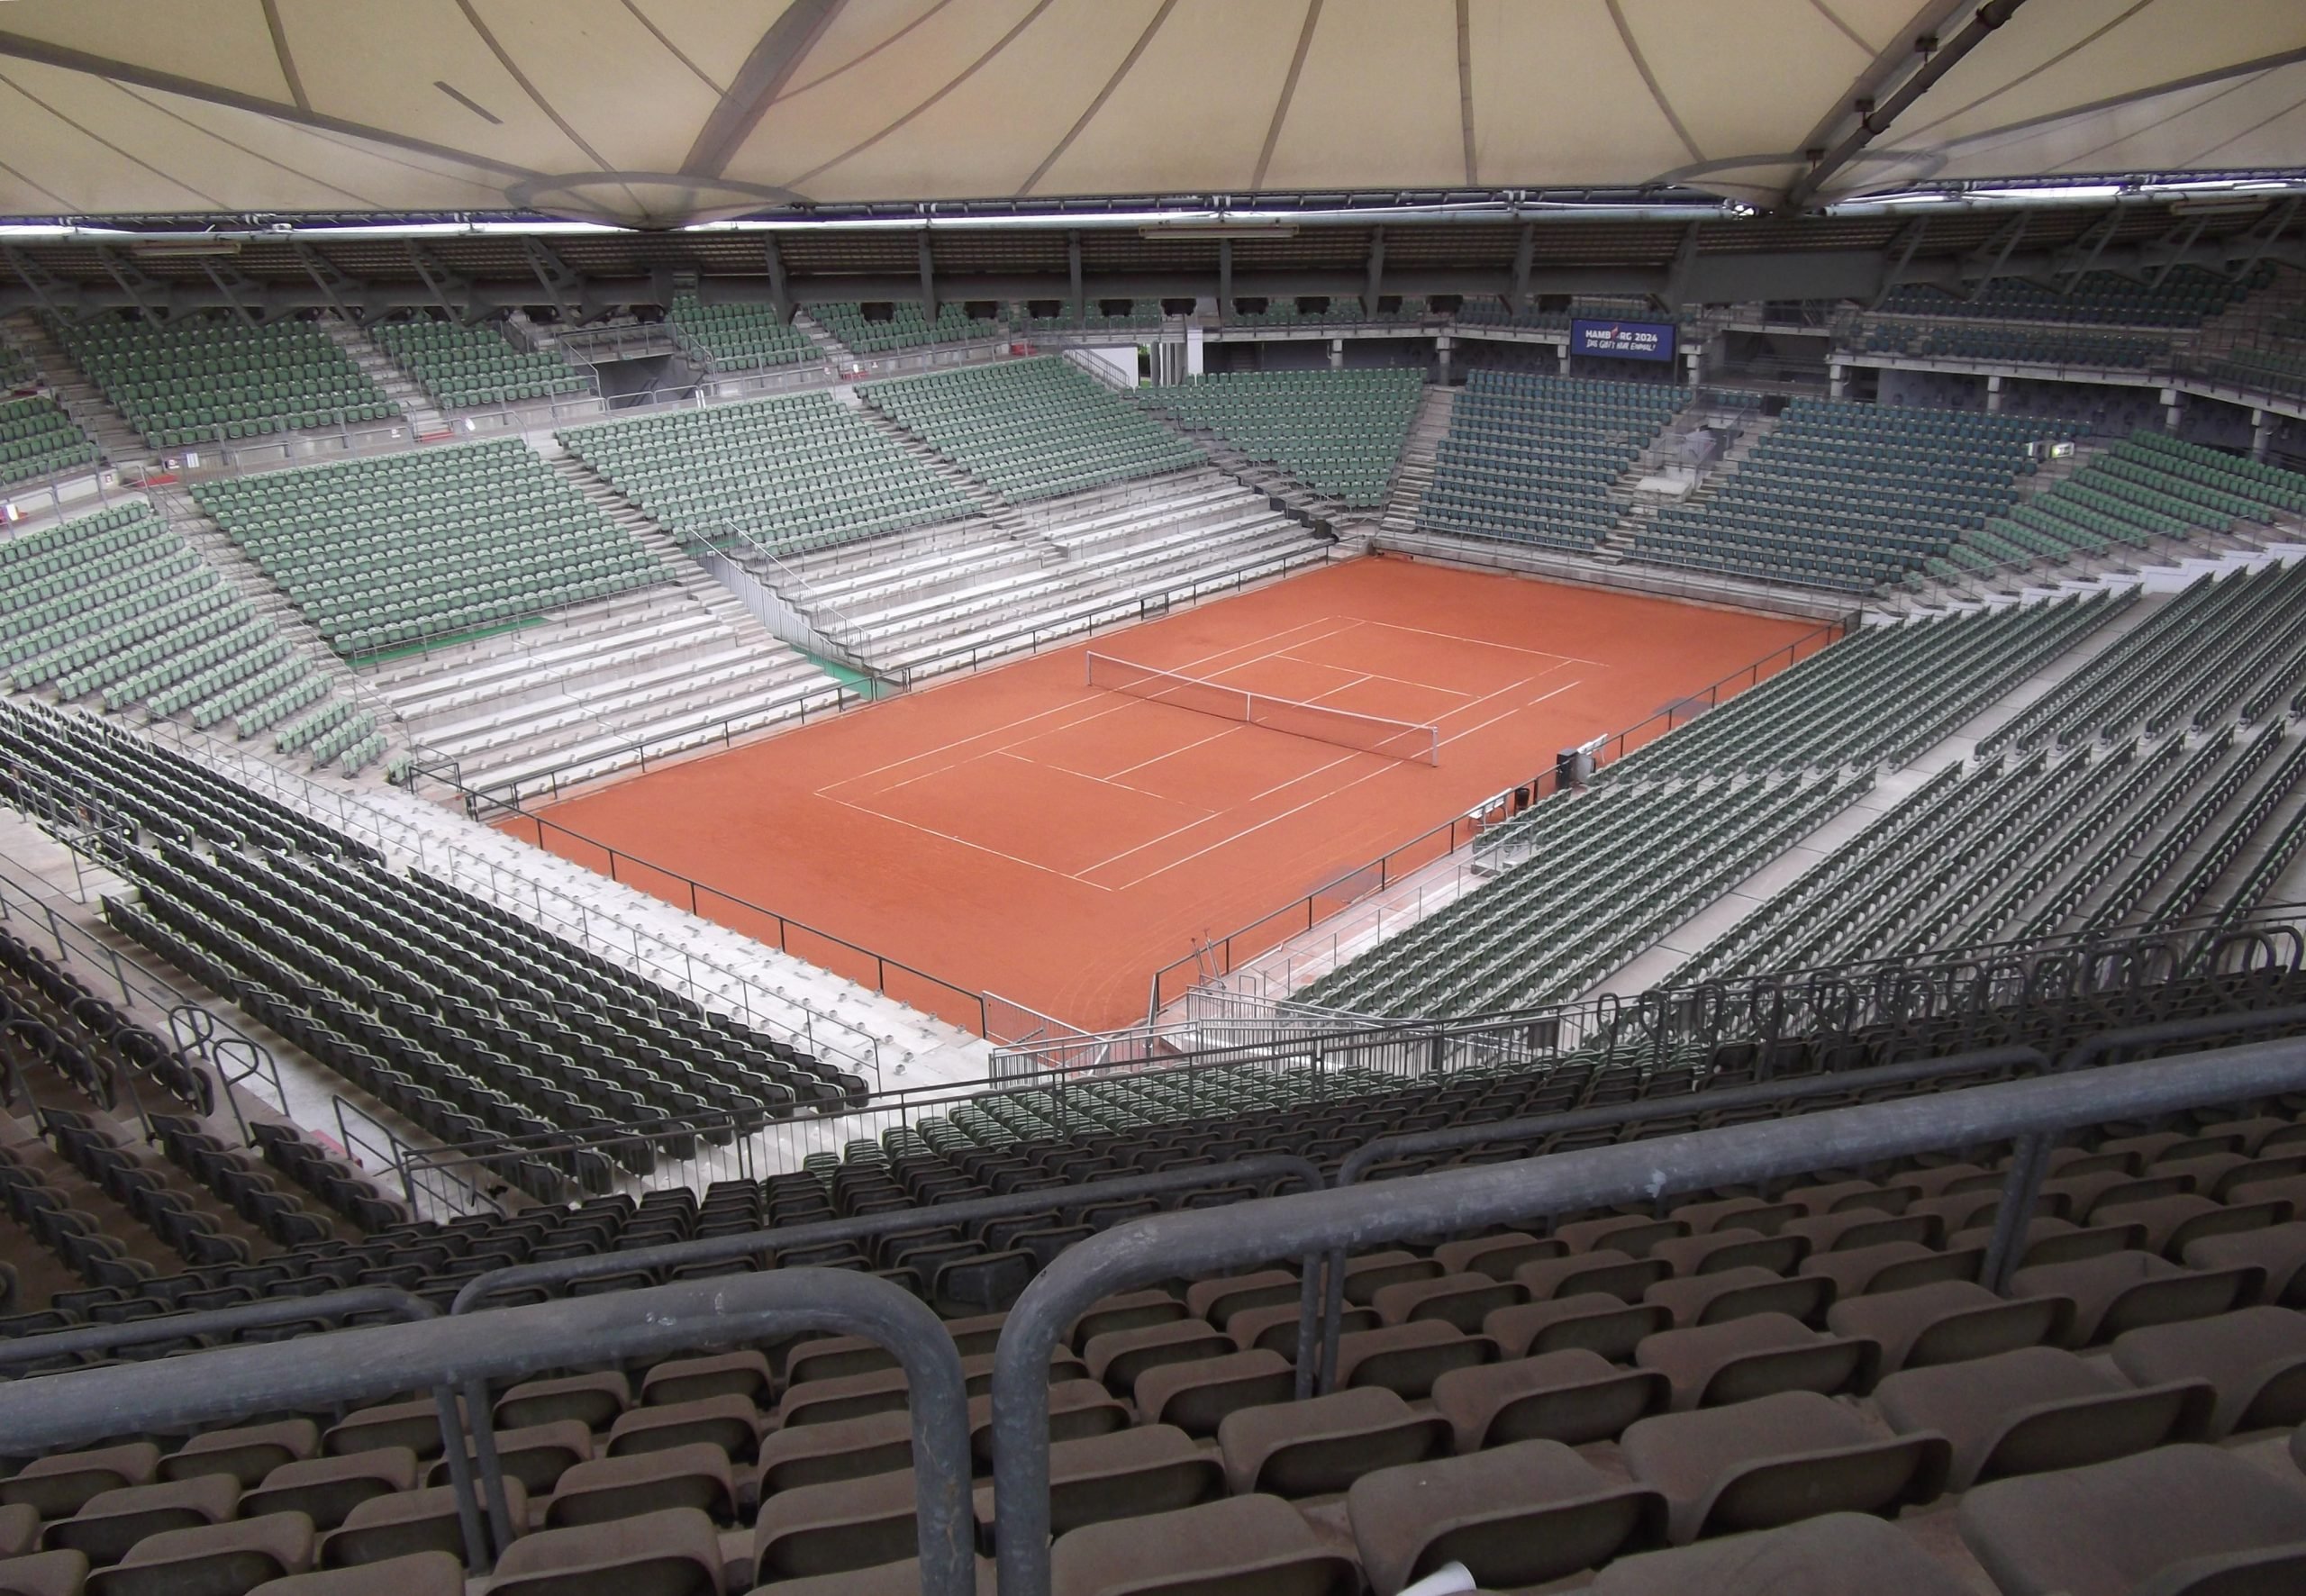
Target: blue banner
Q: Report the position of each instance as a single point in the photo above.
(1622, 341)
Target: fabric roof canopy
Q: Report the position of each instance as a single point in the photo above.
(655, 112)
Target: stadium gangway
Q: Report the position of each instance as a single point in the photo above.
(453, 1355)
(1166, 1246)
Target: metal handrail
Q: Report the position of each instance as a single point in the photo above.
(1170, 1245)
(460, 1355)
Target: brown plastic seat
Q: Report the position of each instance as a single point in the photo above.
(674, 1552)
(1844, 1196)
(1947, 1321)
(1855, 1228)
(2130, 1524)
(407, 1522)
(57, 1485)
(1815, 1557)
(1371, 1273)
(1496, 1255)
(1520, 1515)
(19, 1529)
(43, 1573)
(326, 1489)
(1232, 1547)
(695, 1476)
(593, 1401)
(1196, 1396)
(1323, 1443)
(536, 1456)
(111, 1521)
(420, 1574)
(2120, 1292)
(1733, 1293)
(1892, 1266)
(2254, 1357)
(414, 1424)
(2278, 1253)
(883, 1579)
(1593, 1320)
(1153, 1468)
(2173, 1222)
(729, 1422)
(1408, 1358)
(835, 1357)
(228, 1559)
(1755, 1354)
(247, 1454)
(834, 1527)
(1607, 1270)
(1774, 1460)
(1574, 1396)
(1460, 1300)
(1126, 1310)
(2051, 1240)
(1118, 1357)
(1076, 1408)
(1631, 1235)
(724, 1374)
(2037, 1409)
(1720, 1215)
(1717, 1250)
(1274, 1328)
(845, 1449)
(1218, 1300)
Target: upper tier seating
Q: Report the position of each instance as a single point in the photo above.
(1852, 496)
(2124, 352)
(1530, 459)
(1033, 429)
(207, 378)
(737, 336)
(407, 547)
(461, 367)
(1341, 433)
(905, 329)
(1143, 315)
(117, 603)
(16, 371)
(1349, 311)
(37, 438)
(2184, 296)
(787, 475)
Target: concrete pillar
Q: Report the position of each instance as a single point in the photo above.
(1563, 351)
(1441, 351)
(1994, 395)
(2173, 409)
(1337, 354)
(2262, 423)
(1838, 380)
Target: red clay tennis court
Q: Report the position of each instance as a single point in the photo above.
(1024, 833)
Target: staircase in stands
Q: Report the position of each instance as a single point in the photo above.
(1002, 516)
(1419, 448)
(1640, 508)
(83, 401)
(425, 420)
(840, 354)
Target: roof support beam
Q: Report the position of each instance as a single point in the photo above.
(2262, 237)
(1677, 277)
(1872, 123)
(1075, 295)
(1517, 297)
(780, 289)
(143, 293)
(246, 298)
(562, 286)
(2176, 251)
(450, 292)
(1994, 256)
(1225, 274)
(338, 289)
(49, 292)
(929, 279)
(1909, 241)
(2087, 249)
(1376, 271)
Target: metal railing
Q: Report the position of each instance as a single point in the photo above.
(458, 1358)
(1223, 955)
(1191, 1243)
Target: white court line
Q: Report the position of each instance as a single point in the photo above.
(1321, 797)
(1173, 753)
(1213, 814)
(1088, 695)
(1455, 636)
(1102, 780)
(1371, 675)
(966, 842)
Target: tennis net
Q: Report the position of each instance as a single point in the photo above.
(1373, 734)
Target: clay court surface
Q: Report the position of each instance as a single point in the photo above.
(1022, 833)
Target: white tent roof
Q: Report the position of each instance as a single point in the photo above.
(657, 112)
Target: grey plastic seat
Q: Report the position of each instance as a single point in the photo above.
(1774, 1460)
(1231, 1547)
(2037, 1409)
(2156, 1522)
(1516, 1515)
(1812, 1559)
